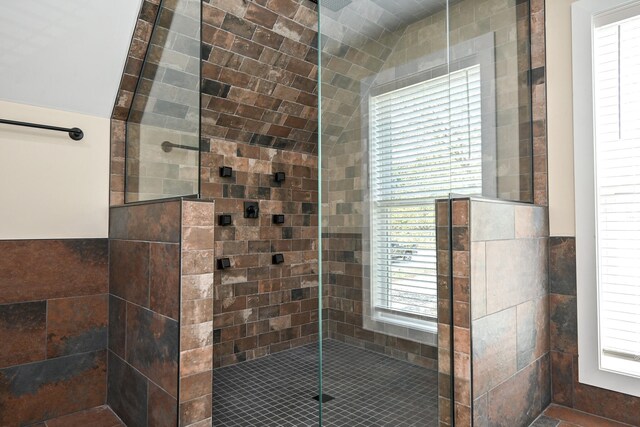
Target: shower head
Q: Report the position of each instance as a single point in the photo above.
(334, 5)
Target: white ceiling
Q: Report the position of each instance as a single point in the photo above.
(65, 54)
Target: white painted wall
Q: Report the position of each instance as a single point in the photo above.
(51, 186)
(61, 62)
(560, 118)
(65, 54)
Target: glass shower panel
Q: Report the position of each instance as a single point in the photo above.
(493, 38)
(385, 157)
(163, 128)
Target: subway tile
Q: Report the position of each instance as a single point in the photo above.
(195, 410)
(196, 385)
(23, 331)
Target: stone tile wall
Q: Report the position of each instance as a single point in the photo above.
(259, 117)
(161, 312)
(53, 328)
(144, 312)
(565, 385)
(508, 311)
(196, 313)
(495, 298)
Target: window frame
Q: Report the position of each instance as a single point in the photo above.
(432, 66)
(585, 15)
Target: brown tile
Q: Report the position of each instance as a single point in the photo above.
(162, 409)
(195, 410)
(562, 265)
(129, 271)
(197, 238)
(516, 401)
(199, 214)
(153, 346)
(33, 270)
(196, 361)
(195, 386)
(52, 388)
(494, 350)
(23, 330)
(579, 418)
(101, 416)
(606, 403)
(76, 325)
(562, 378)
(127, 392)
(460, 212)
(156, 222)
(563, 325)
(117, 325)
(164, 279)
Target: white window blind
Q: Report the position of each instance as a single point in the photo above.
(617, 150)
(425, 143)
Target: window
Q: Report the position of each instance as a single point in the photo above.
(607, 169)
(426, 142)
(617, 146)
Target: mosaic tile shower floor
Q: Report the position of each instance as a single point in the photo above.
(368, 389)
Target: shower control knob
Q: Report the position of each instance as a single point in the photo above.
(251, 210)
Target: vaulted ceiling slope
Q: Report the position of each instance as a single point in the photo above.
(66, 55)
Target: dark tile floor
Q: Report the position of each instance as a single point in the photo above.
(560, 416)
(368, 389)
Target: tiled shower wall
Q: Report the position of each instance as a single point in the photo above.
(565, 385)
(144, 312)
(498, 300)
(260, 117)
(508, 311)
(161, 313)
(53, 328)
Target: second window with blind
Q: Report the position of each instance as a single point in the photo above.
(425, 143)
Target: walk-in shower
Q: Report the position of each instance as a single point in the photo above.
(418, 100)
(327, 132)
